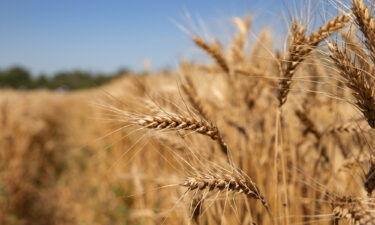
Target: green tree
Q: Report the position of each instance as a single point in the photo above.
(15, 77)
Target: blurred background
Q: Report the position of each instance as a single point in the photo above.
(81, 44)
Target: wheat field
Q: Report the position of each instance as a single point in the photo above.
(261, 135)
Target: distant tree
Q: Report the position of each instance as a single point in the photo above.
(18, 77)
(41, 82)
(15, 77)
(122, 71)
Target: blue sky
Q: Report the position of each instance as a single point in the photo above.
(104, 35)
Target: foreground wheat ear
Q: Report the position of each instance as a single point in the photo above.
(300, 47)
(183, 123)
(225, 181)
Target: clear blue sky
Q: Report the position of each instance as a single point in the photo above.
(104, 35)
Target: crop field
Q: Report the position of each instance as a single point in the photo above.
(260, 134)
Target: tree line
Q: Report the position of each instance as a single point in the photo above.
(20, 78)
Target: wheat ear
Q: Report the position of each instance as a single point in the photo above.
(355, 79)
(181, 123)
(178, 122)
(301, 46)
(220, 181)
(353, 210)
(366, 24)
(213, 51)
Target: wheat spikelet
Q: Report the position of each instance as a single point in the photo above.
(182, 123)
(328, 29)
(177, 122)
(349, 128)
(353, 210)
(214, 52)
(298, 38)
